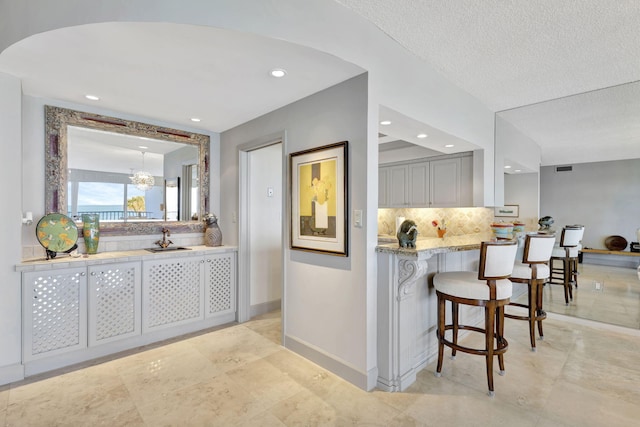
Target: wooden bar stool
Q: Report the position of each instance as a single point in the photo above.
(489, 288)
(534, 271)
(567, 254)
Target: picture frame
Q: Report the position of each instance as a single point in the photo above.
(511, 211)
(318, 199)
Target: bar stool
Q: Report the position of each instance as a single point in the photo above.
(489, 288)
(534, 271)
(567, 254)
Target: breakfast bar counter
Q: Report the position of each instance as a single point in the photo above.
(407, 309)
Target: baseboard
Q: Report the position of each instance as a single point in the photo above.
(366, 381)
(11, 373)
(265, 307)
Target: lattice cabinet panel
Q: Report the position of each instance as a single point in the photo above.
(54, 312)
(172, 292)
(114, 302)
(220, 283)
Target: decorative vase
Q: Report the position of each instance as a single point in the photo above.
(441, 232)
(91, 232)
(213, 234)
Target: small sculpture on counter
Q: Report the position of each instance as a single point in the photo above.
(545, 223)
(213, 234)
(407, 234)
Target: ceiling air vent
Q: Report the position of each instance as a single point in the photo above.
(564, 168)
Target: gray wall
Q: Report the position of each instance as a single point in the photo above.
(603, 196)
(522, 190)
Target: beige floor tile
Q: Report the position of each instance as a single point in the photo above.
(578, 406)
(217, 402)
(161, 373)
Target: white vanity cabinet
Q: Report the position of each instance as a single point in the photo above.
(77, 309)
(114, 292)
(179, 291)
(54, 312)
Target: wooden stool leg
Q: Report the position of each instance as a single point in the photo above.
(500, 341)
(566, 281)
(489, 319)
(440, 333)
(454, 316)
(539, 310)
(533, 300)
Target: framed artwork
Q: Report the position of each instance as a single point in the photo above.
(318, 199)
(507, 211)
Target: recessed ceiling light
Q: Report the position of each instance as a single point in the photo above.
(422, 135)
(195, 119)
(449, 146)
(144, 147)
(507, 167)
(385, 122)
(92, 97)
(518, 170)
(278, 72)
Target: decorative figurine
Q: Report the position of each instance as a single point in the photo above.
(545, 223)
(213, 234)
(407, 234)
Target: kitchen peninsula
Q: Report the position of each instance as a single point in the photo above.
(407, 306)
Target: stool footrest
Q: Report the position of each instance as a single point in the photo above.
(501, 343)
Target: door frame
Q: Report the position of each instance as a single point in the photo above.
(244, 297)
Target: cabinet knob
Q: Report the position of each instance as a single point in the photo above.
(93, 273)
(208, 260)
(201, 261)
(82, 274)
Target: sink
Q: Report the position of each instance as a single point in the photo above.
(168, 249)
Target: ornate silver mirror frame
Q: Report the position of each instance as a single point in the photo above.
(57, 121)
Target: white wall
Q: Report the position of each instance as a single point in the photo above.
(325, 297)
(513, 145)
(603, 196)
(10, 229)
(265, 223)
(523, 190)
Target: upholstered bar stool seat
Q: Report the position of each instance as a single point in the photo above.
(534, 271)
(567, 255)
(489, 288)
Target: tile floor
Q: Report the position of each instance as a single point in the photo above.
(583, 374)
(615, 300)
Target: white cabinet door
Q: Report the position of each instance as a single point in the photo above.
(398, 186)
(220, 284)
(418, 185)
(114, 302)
(54, 312)
(383, 188)
(172, 292)
(445, 183)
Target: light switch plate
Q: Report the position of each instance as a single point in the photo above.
(357, 218)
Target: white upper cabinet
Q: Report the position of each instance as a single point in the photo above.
(438, 183)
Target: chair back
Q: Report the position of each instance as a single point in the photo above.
(571, 235)
(538, 248)
(496, 259)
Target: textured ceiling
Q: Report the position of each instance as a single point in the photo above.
(514, 53)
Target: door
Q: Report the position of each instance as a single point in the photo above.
(265, 228)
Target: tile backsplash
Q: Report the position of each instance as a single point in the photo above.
(459, 221)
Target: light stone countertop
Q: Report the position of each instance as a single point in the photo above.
(67, 261)
(436, 245)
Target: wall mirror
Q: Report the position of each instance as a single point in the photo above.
(138, 177)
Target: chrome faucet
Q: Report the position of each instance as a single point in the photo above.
(164, 242)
